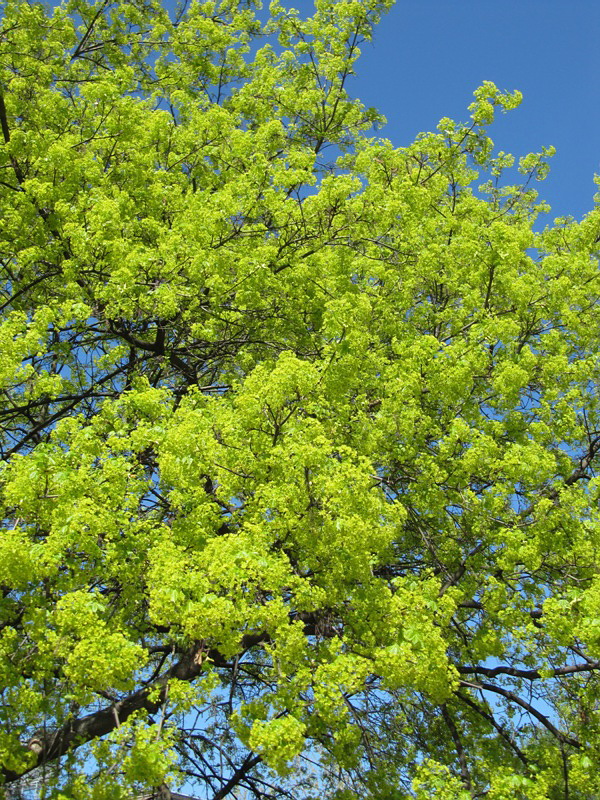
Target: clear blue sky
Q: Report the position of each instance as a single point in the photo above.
(428, 56)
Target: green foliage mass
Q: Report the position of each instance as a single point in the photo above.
(298, 429)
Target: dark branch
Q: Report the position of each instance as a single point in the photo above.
(465, 775)
(249, 762)
(529, 674)
(514, 698)
(4, 119)
(495, 725)
(51, 745)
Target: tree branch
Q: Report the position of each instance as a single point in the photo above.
(465, 775)
(51, 745)
(496, 725)
(4, 119)
(529, 674)
(514, 698)
(249, 762)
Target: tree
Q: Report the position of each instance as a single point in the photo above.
(298, 429)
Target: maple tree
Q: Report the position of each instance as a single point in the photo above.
(298, 429)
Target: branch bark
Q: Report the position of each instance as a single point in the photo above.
(495, 725)
(514, 698)
(462, 758)
(50, 745)
(529, 674)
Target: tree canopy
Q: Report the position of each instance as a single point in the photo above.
(298, 428)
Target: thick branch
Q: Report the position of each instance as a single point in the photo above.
(514, 698)
(462, 758)
(6, 136)
(157, 347)
(51, 745)
(496, 725)
(529, 674)
(4, 119)
(249, 762)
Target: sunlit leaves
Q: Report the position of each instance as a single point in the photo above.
(298, 428)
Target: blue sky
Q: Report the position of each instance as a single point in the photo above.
(428, 56)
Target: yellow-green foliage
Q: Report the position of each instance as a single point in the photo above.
(298, 428)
